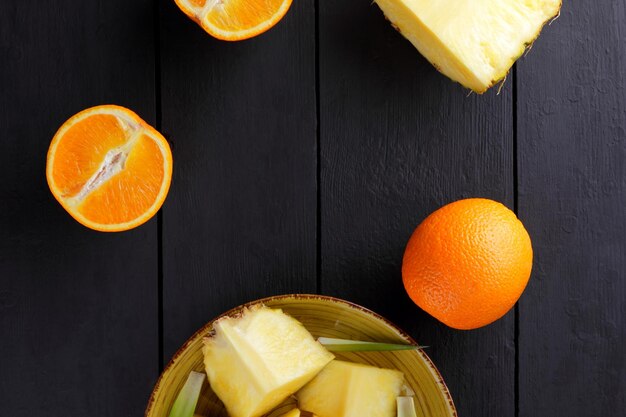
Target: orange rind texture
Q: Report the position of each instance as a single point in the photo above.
(468, 263)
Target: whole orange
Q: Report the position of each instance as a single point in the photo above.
(468, 263)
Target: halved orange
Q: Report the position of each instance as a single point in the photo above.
(234, 20)
(109, 169)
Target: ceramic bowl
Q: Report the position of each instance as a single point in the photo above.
(322, 316)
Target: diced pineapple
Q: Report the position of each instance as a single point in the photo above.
(298, 413)
(474, 42)
(292, 413)
(345, 389)
(255, 361)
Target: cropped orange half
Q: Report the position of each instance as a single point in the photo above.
(109, 169)
(234, 20)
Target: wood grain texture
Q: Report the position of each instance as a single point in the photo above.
(240, 221)
(78, 309)
(399, 140)
(572, 147)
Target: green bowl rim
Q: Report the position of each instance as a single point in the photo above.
(203, 330)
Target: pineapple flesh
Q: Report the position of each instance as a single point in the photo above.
(345, 389)
(255, 361)
(473, 42)
(293, 413)
(297, 413)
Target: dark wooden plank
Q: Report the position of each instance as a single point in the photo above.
(241, 220)
(398, 140)
(572, 121)
(78, 309)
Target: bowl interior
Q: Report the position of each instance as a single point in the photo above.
(322, 316)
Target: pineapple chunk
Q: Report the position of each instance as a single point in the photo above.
(292, 413)
(345, 389)
(255, 361)
(474, 42)
(297, 413)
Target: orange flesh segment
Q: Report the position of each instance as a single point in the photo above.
(130, 193)
(234, 15)
(109, 169)
(83, 148)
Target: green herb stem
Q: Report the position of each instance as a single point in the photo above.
(344, 345)
(187, 399)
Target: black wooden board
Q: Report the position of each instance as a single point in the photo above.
(303, 160)
(572, 148)
(398, 140)
(240, 221)
(78, 309)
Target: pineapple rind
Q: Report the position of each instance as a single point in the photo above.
(473, 42)
(256, 360)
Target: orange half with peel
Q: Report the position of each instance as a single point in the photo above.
(234, 20)
(109, 169)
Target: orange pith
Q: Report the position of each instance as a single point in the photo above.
(468, 263)
(109, 169)
(235, 19)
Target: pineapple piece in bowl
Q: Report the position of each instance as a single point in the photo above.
(256, 360)
(323, 316)
(295, 413)
(346, 389)
(473, 42)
